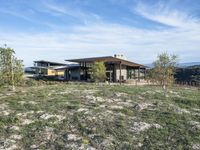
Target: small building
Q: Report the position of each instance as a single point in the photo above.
(118, 69)
(49, 69)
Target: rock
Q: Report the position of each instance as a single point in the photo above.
(140, 126)
(116, 107)
(47, 116)
(121, 94)
(82, 109)
(27, 121)
(181, 111)
(33, 146)
(8, 144)
(141, 106)
(157, 126)
(72, 137)
(195, 125)
(16, 137)
(5, 113)
(140, 97)
(100, 99)
(196, 147)
(48, 134)
(140, 145)
(15, 128)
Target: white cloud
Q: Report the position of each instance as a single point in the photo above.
(99, 38)
(164, 14)
(64, 10)
(104, 39)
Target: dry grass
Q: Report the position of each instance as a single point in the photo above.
(62, 116)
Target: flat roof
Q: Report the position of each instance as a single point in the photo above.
(54, 63)
(106, 59)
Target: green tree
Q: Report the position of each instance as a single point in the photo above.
(11, 68)
(98, 72)
(164, 69)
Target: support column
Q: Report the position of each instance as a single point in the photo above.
(139, 74)
(120, 72)
(85, 72)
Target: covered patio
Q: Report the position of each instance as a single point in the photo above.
(117, 70)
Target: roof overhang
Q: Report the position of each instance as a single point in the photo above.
(50, 62)
(106, 59)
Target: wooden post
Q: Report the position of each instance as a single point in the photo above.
(110, 76)
(139, 74)
(85, 74)
(145, 73)
(86, 71)
(120, 73)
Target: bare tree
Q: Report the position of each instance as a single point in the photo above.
(164, 69)
(11, 68)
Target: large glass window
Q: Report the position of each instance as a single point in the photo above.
(130, 73)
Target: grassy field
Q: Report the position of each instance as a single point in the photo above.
(66, 116)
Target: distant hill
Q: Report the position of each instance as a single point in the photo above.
(184, 65)
(180, 65)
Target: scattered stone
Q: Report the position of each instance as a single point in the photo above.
(27, 121)
(62, 93)
(102, 106)
(5, 113)
(140, 97)
(47, 116)
(121, 94)
(8, 144)
(197, 114)
(3, 106)
(181, 111)
(16, 137)
(173, 92)
(32, 102)
(141, 126)
(34, 146)
(27, 102)
(49, 133)
(196, 109)
(196, 146)
(25, 114)
(158, 91)
(15, 128)
(116, 107)
(126, 104)
(72, 137)
(157, 126)
(141, 106)
(150, 92)
(22, 102)
(89, 91)
(100, 99)
(82, 109)
(40, 111)
(140, 145)
(195, 125)
(90, 148)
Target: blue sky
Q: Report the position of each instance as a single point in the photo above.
(56, 30)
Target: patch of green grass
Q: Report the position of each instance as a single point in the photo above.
(126, 111)
(187, 102)
(102, 127)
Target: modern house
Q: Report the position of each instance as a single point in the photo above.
(118, 69)
(49, 69)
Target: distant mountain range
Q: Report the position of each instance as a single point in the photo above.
(184, 65)
(181, 65)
